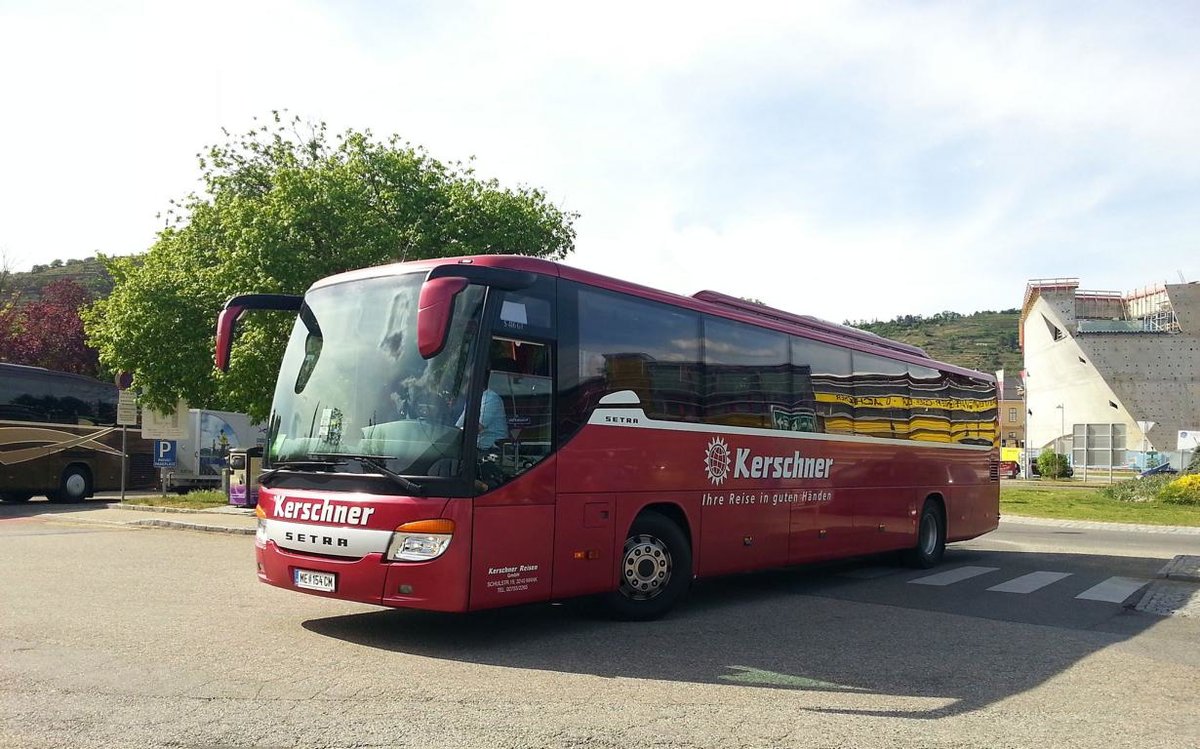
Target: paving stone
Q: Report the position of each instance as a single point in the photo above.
(1171, 598)
(1182, 567)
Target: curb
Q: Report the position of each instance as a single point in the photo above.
(183, 525)
(1180, 530)
(230, 510)
(1184, 568)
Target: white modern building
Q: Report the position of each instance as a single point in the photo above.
(1111, 375)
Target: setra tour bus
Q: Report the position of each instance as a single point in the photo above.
(59, 437)
(466, 433)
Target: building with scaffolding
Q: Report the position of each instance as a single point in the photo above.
(1111, 378)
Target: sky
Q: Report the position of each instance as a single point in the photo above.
(853, 161)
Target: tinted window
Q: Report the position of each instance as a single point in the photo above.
(54, 397)
(747, 379)
(823, 385)
(881, 397)
(631, 344)
(973, 410)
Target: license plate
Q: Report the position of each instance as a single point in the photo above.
(313, 580)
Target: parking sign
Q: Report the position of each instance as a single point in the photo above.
(164, 453)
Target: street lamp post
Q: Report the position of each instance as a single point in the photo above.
(1024, 429)
(1062, 430)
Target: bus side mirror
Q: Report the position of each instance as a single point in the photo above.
(225, 324)
(434, 310)
(233, 310)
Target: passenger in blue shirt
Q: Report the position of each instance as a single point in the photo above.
(493, 420)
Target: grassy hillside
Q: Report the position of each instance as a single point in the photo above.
(89, 274)
(985, 341)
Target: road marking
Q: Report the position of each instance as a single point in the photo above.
(953, 576)
(1029, 583)
(1113, 590)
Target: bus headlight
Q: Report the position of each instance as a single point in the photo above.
(420, 540)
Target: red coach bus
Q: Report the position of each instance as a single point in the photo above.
(462, 434)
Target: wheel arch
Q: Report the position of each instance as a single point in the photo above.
(671, 511)
(939, 501)
(88, 472)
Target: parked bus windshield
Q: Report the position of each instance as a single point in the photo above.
(353, 383)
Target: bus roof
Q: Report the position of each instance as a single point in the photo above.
(710, 302)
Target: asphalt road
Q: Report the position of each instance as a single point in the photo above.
(123, 637)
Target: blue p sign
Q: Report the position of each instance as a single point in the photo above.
(164, 454)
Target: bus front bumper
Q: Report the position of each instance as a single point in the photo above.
(436, 585)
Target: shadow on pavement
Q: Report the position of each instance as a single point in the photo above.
(792, 629)
(43, 506)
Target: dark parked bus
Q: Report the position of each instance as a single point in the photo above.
(59, 437)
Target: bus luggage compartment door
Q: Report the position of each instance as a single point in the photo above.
(584, 543)
(511, 554)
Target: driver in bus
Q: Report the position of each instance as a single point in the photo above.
(493, 427)
(493, 420)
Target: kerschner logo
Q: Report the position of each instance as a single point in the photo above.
(716, 461)
(748, 466)
(322, 512)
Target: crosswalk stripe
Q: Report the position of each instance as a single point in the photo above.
(1112, 590)
(953, 576)
(1029, 583)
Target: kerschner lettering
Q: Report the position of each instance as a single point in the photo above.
(779, 467)
(323, 512)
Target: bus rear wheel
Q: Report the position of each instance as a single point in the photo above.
(931, 537)
(655, 569)
(75, 485)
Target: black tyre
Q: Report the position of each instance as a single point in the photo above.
(74, 486)
(16, 497)
(655, 569)
(931, 537)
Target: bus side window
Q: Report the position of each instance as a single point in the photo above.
(519, 374)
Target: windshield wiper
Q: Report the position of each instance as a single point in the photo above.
(285, 464)
(376, 462)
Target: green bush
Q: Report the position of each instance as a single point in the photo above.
(1052, 465)
(1184, 490)
(1137, 490)
(1193, 466)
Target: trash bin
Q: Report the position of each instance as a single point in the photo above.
(244, 467)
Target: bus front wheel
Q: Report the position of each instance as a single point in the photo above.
(75, 485)
(655, 569)
(931, 537)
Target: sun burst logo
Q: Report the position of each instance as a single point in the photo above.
(716, 461)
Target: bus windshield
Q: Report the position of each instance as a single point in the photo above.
(353, 385)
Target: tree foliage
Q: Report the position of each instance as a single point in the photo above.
(1052, 465)
(48, 332)
(283, 206)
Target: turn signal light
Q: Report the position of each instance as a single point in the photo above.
(427, 526)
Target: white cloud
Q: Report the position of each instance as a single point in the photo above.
(842, 159)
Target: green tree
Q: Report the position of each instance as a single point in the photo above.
(282, 206)
(1052, 465)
